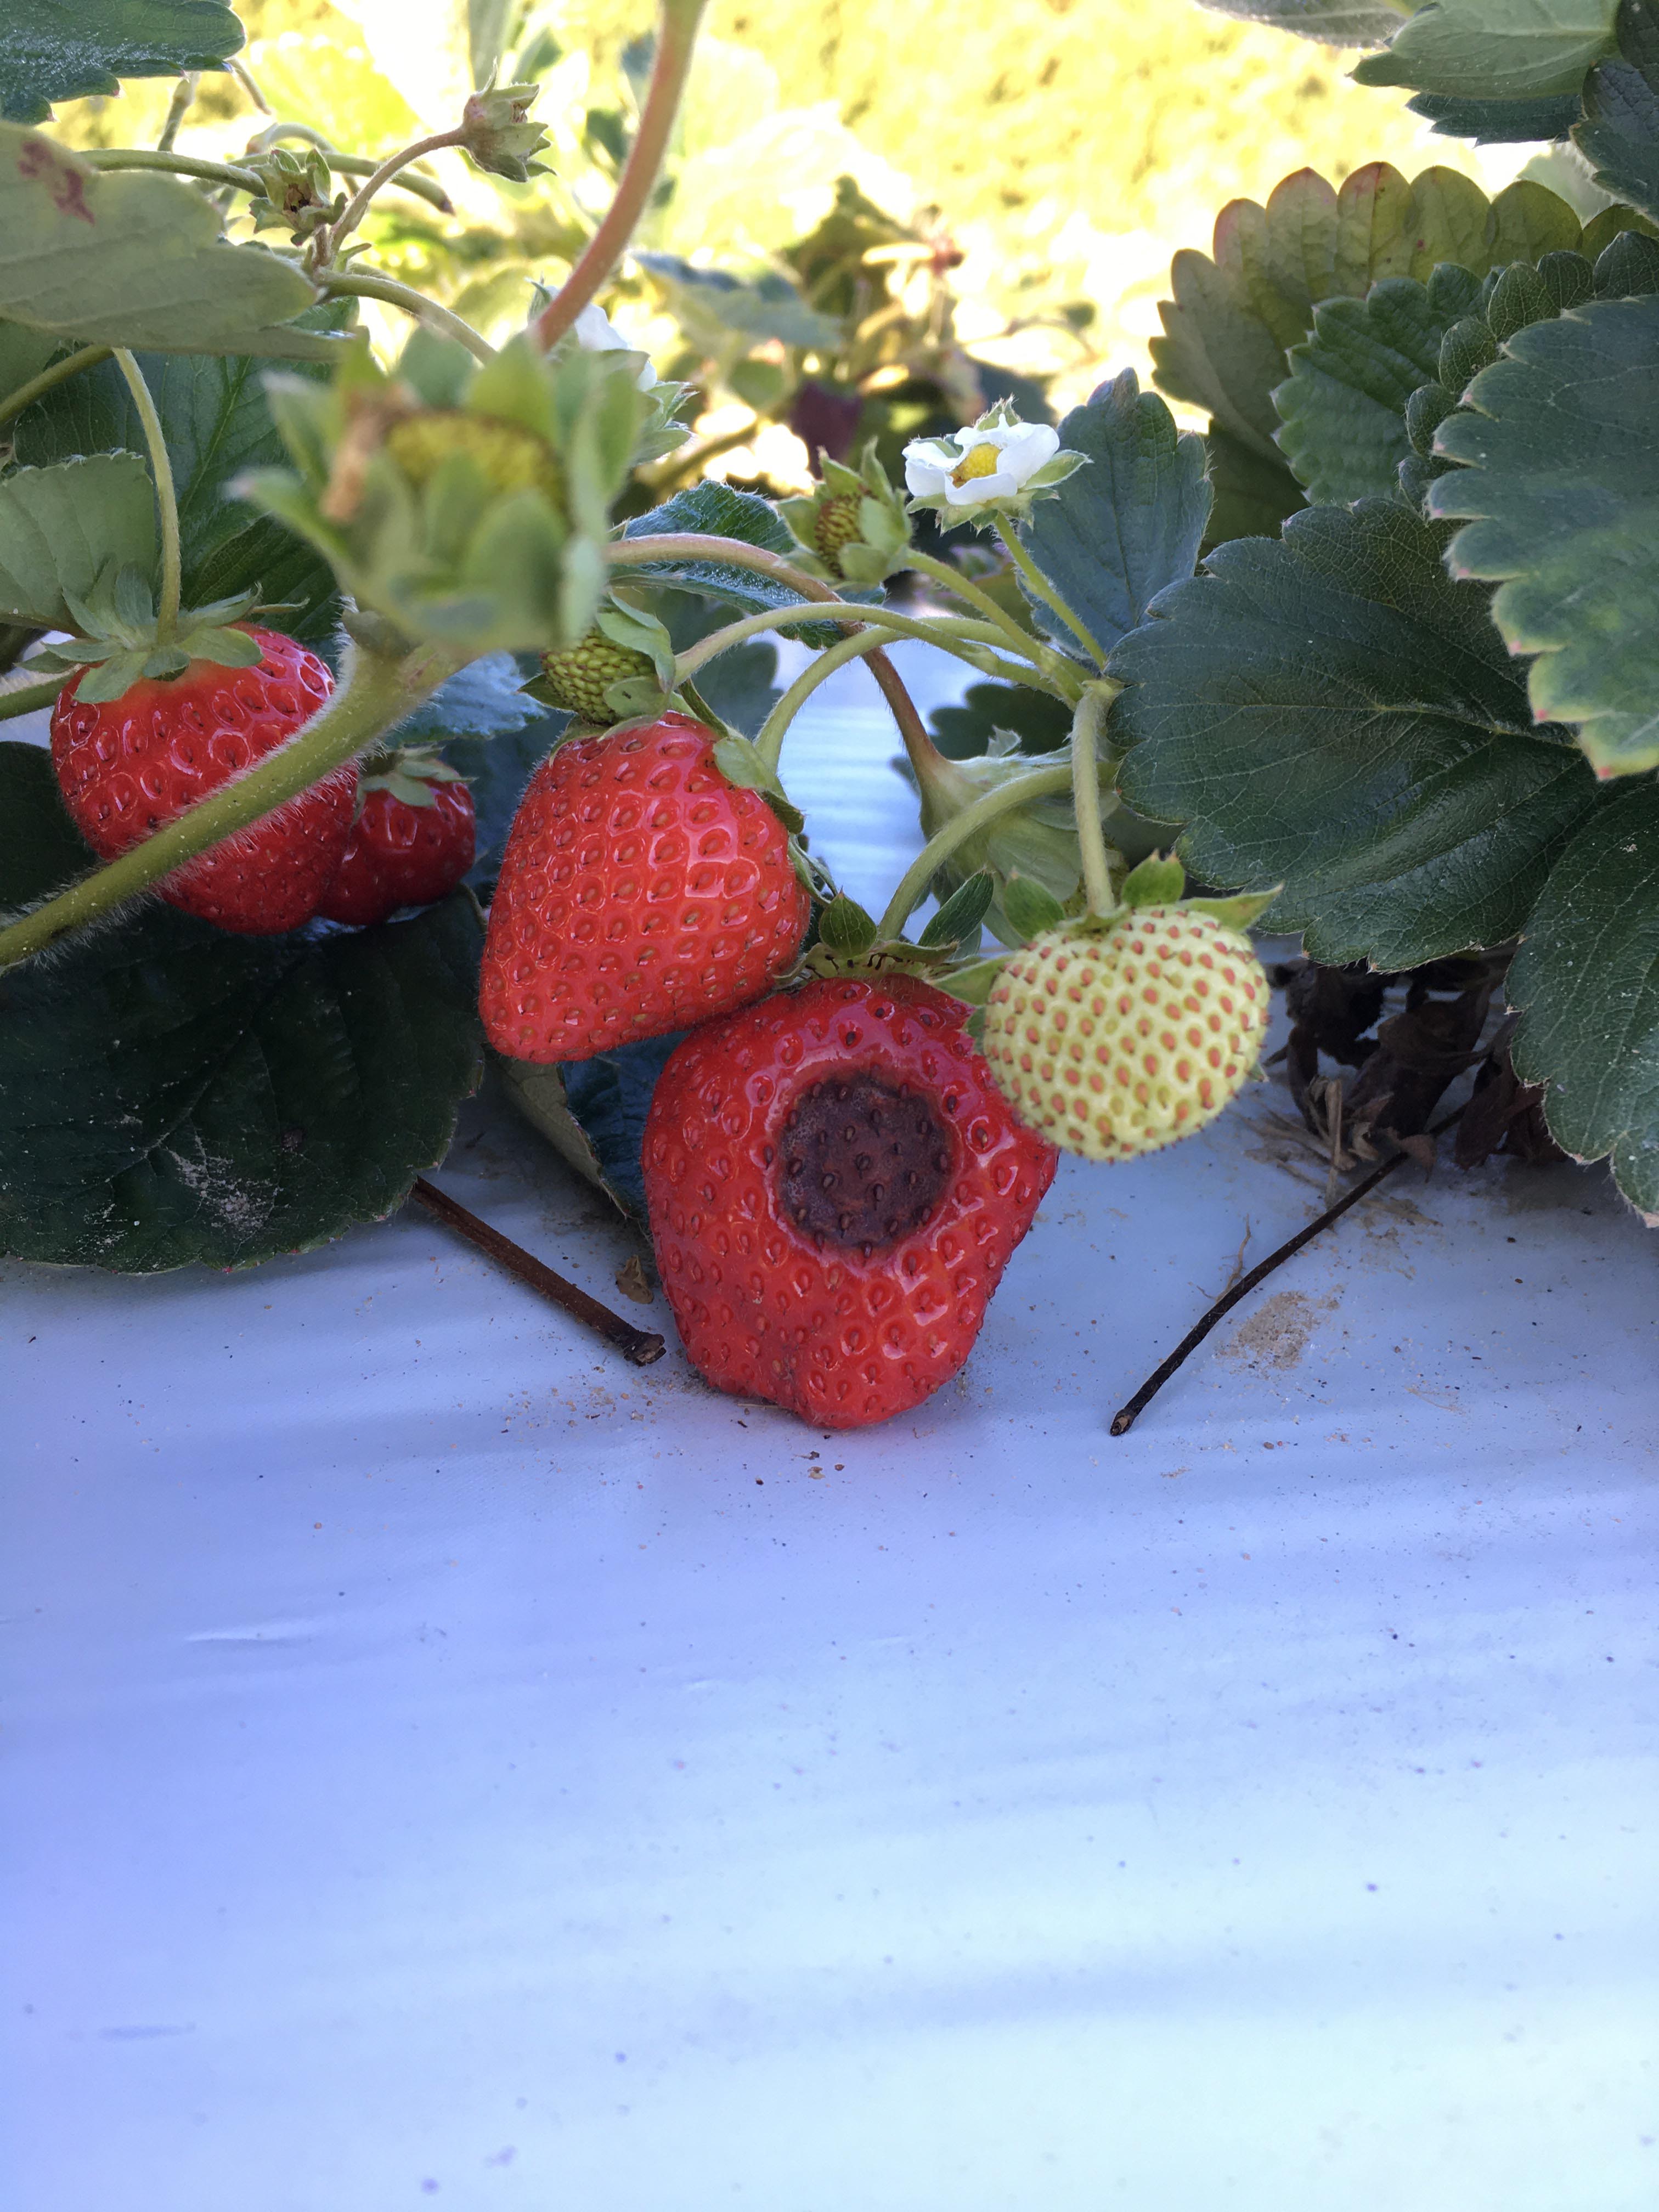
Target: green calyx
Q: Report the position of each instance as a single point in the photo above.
(849, 941)
(468, 505)
(1158, 881)
(299, 196)
(410, 772)
(497, 131)
(621, 669)
(117, 642)
(853, 528)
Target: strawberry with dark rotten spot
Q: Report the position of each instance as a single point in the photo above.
(640, 892)
(835, 1186)
(411, 844)
(128, 764)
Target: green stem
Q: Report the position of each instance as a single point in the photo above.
(1002, 800)
(964, 640)
(250, 84)
(357, 206)
(177, 107)
(1086, 724)
(364, 286)
(951, 580)
(1045, 591)
(29, 698)
(167, 499)
(677, 37)
(770, 743)
(175, 165)
(72, 365)
(378, 692)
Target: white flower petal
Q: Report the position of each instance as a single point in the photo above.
(1032, 444)
(979, 489)
(594, 329)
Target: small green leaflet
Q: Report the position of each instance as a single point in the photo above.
(170, 1093)
(131, 259)
(67, 48)
(1495, 49)
(1560, 486)
(1331, 711)
(1587, 979)
(61, 528)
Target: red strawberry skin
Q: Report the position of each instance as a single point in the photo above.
(835, 1186)
(402, 856)
(129, 766)
(640, 892)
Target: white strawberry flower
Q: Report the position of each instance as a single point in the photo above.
(594, 330)
(996, 467)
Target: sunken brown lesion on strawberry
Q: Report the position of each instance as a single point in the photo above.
(862, 1162)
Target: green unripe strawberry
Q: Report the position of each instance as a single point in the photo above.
(512, 457)
(1112, 1044)
(835, 524)
(578, 677)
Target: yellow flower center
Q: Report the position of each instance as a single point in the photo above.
(977, 461)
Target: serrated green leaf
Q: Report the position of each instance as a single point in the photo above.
(1040, 724)
(1495, 49)
(66, 49)
(1586, 981)
(1342, 407)
(1232, 317)
(1118, 531)
(62, 528)
(170, 1093)
(1620, 134)
(1251, 495)
(1560, 487)
(1497, 122)
(217, 423)
(131, 259)
(1334, 712)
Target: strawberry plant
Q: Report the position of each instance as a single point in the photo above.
(391, 721)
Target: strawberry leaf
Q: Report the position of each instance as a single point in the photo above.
(131, 259)
(713, 509)
(217, 423)
(1492, 50)
(1620, 134)
(62, 528)
(1332, 22)
(171, 1093)
(1560, 488)
(1590, 1027)
(592, 1112)
(1334, 711)
(1117, 531)
(55, 51)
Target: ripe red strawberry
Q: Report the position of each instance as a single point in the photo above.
(128, 766)
(640, 892)
(835, 1186)
(412, 841)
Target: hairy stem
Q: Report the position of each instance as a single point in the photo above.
(952, 581)
(677, 36)
(378, 692)
(72, 365)
(1045, 591)
(770, 743)
(1017, 792)
(1086, 725)
(177, 107)
(364, 286)
(250, 84)
(29, 698)
(167, 498)
(175, 165)
(351, 165)
(698, 546)
(356, 207)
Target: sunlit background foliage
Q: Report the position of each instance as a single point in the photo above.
(1037, 162)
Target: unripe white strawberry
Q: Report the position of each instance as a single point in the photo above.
(1112, 1044)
